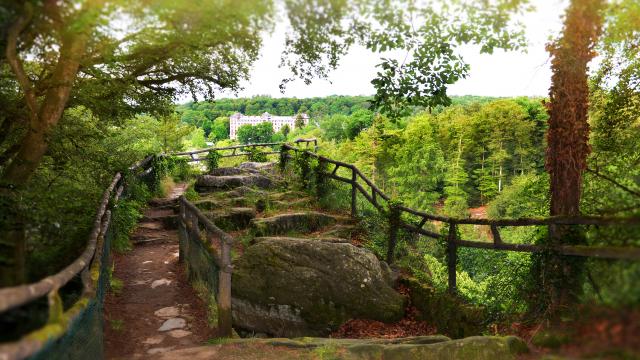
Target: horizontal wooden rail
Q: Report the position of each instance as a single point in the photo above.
(242, 146)
(141, 164)
(497, 243)
(13, 297)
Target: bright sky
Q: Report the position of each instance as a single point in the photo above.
(499, 74)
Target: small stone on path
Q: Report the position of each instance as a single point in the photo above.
(173, 323)
(167, 312)
(146, 262)
(154, 340)
(160, 282)
(159, 350)
(179, 333)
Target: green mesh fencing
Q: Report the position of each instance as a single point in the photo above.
(201, 267)
(84, 336)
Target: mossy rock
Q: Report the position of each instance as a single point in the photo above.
(232, 218)
(450, 314)
(302, 222)
(227, 171)
(216, 183)
(288, 195)
(298, 287)
(341, 231)
(208, 204)
(475, 347)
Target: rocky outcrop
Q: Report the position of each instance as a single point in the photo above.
(257, 165)
(450, 314)
(232, 218)
(415, 348)
(300, 287)
(302, 222)
(212, 183)
(227, 171)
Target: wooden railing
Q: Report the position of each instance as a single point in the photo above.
(89, 266)
(376, 197)
(238, 150)
(195, 226)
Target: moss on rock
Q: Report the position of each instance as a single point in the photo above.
(450, 314)
(285, 223)
(323, 283)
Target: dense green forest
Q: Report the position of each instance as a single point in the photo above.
(488, 154)
(83, 97)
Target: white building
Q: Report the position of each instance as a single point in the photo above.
(236, 120)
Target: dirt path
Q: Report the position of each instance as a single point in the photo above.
(156, 310)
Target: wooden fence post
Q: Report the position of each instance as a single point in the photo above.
(394, 223)
(353, 192)
(181, 231)
(225, 318)
(452, 258)
(195, 227)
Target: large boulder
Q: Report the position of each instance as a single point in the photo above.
(213, 183)
(416, 348)
(301, 287)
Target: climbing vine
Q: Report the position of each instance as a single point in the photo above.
(322, 183)
(282, 161)
(256, 155)
(213, 159)
(303, 166)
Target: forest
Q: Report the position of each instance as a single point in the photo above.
(89, 88)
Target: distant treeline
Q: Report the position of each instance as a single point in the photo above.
(204, 114)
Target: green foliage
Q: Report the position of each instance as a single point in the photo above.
(212, 159)
(322, 181)
(302, 166)
(261, 133)
(255, 154)
(199, 113)
(434, 62)
(285, 130)
(124, 218)
(299, 123)
(191, 194)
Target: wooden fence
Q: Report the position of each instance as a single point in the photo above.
(232, 151)
(91, 268)
(195, 226)
(376, 197)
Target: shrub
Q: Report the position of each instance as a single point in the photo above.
(213, 159)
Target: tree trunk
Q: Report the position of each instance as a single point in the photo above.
(568, 146)
(33, 148)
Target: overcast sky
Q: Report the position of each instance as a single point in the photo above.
(499, 74)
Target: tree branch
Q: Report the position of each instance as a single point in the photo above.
(614, 182)
(14, 61)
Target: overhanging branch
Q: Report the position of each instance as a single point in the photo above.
(614, 182)
(14, 61)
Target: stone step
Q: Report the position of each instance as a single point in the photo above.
(322, 239)
(167, 221)
(208, 183)
(302, 222)
(436, 347)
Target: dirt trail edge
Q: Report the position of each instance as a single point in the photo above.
(156, 310)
